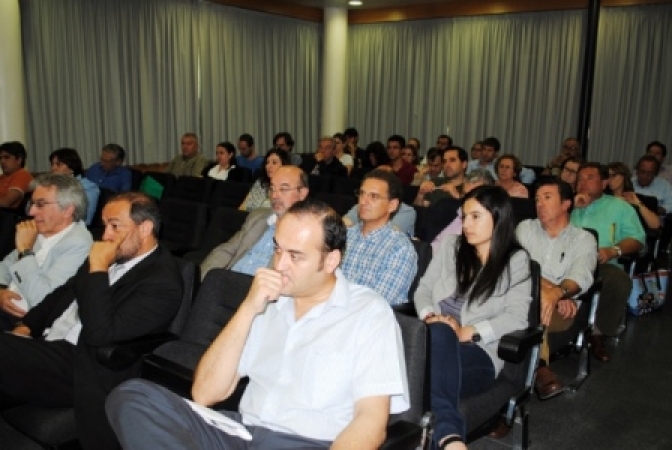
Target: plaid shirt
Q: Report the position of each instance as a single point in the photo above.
(383, 260)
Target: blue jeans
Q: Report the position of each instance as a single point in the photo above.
(457, 370)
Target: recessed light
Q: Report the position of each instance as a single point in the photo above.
(355, 3)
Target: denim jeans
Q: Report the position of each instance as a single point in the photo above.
(457, 370)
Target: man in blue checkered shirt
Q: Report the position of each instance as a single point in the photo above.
(377, 255)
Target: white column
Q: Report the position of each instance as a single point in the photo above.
(334, 65)
(12, 95)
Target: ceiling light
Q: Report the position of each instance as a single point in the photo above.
(355, 3)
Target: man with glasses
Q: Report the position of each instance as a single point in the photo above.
(325, 161)
(647, 182)
(50, 247)
(109, 172)
(378, 256)
(571, 147)
(14, 179)
(252, 246)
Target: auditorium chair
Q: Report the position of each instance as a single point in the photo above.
(224, 223)
(167, 180)
(183, 224)
(340, 203)
(194, 189)
(8, 220)
(56, 427)
(229, 193)
(437, 217)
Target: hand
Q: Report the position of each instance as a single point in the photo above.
(567, 308)
(451, 190)
(26, 235)
(604, 254)
(581, 201)
(21, 330)
(7, 298)
(103, 253)
(631, 198)
(266, 287)
(426, 187)
(318, 156)
(550, 295)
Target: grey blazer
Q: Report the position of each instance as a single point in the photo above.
(227, 254)
(505, 311)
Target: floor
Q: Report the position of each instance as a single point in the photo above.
(624, 404)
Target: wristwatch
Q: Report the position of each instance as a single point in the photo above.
(619, 252)
(565, 291)
(476, 337)
(26, 252)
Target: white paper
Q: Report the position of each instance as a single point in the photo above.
(220, 421)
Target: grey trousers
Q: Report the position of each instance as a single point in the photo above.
(145, 415)
(616, 287)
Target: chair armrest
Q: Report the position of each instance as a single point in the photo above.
(402, 434)
(406, 309)
(513, 347)
(167, 373)
(121, 355)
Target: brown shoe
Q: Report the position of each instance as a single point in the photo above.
(547, 384)
(500, 431)
(598, 348)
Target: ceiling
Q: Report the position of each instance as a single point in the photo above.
(367, 4)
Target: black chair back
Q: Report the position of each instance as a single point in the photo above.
(229, 193)
(223, 224)
(437, 217)
(183, 224)
(194, 189)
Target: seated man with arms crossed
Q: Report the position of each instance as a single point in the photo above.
(130, 287)
(50, 247)
(324, 358)
(252, 246)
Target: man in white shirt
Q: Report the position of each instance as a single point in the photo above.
(323, 355)
(50, 247)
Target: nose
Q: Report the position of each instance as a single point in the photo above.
(281, 260)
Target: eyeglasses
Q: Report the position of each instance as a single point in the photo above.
(39, 204)
(375, 197)
(568, 170)
(282, 189)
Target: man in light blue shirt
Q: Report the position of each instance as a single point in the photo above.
(647, 182)
(248, 157)
(489, 150)
(377, 255)
(109, 172)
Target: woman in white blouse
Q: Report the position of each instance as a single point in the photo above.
(225, 155)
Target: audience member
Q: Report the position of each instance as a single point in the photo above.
(443, 142)
(432, 168)
(620, 185)
(569, 169)
(410, 154)
(248, 157)
(284, 141)
(647, 182)
(401, 168)
(476, 289)
(130, 287)
(252, 246)
(378, 256)
(489, 149)
(474, 179)
(359, 155)
(15, 180)
(508, 168)
(66, 161)
(415, 142)
(191, 162)
(377, 155)
(225, 155)
(659, 151)
(326, 161)
(476, 149)
(571, 148)
(567, 256)
(49, 247)
(403, 220)
(620, 233)
(345, 158)
(451, 184)
(109, 173)
(258, 195)
(351, 375)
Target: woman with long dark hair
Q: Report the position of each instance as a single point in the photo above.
(258, 195)
(476, 289)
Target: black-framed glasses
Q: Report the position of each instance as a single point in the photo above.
(282, 189)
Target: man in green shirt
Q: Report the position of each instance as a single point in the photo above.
(191, 162)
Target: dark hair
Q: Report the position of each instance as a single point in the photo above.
(228, 146)
(417, 147)
(475, 280)
(70, 158)
(394, 187)
(575, 159)
(491, 142)
(517, 165)
(432, 154)
(445, 136)
(118, 150)
(333, 228)
(245, 137)
(351, 132)
(288, 138)
(16, 149)
(604, 173)
(564, 189)
(651, 159)
(657, 144)
(461, 153)
(622, 169)
(416, 159)
(340, 136)
(397, 138)
(379, 152)
(285, 159)
(143, 208)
